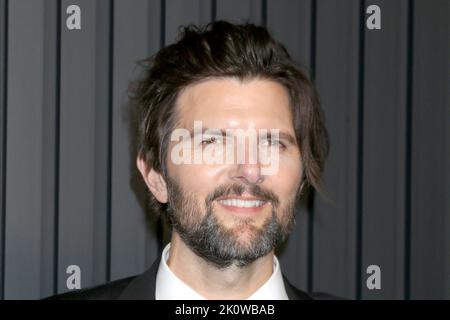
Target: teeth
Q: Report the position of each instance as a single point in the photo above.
(242, 203)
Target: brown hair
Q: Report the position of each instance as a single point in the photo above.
(221, 49)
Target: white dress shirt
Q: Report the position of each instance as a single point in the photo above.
(170, 287)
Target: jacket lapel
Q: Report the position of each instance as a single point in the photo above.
(143, 286)
(293, 293)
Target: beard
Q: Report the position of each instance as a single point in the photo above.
(200, 229)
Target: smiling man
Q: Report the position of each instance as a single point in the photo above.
(227, 216)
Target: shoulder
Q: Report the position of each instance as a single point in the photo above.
(107, 291)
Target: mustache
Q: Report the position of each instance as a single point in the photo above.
(239, 189)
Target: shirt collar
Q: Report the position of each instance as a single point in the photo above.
(170, 287)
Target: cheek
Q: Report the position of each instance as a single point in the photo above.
(288, 179)
(193, 176)
(198, 179)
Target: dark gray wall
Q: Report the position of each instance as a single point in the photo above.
(69, 193)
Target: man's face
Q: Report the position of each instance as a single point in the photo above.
(231, 212)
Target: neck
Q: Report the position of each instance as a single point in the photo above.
(214, 283)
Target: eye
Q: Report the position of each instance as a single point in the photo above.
(273, 142)
(209, 140)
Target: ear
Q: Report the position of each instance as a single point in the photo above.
(154, 180)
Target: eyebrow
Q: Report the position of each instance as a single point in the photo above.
(288, 137)
(282, 134)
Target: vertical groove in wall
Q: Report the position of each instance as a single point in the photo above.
(311, 199)
(3, 110)
(110, 142)
(47, 226)
(264, 13)
(213, 10)
(360, 149)
(408, 149)
(162, 38)
(57, 144)
(162, 42)
(313, 39)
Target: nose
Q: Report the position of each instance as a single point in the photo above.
(247, 173)
(247, 167)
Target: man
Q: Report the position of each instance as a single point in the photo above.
(231, 135)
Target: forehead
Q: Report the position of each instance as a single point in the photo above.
(229, 102)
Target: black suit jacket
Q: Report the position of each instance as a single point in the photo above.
(142, 287)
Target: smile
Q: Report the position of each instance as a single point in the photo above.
(239, 203)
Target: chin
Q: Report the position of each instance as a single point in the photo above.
(245, 235)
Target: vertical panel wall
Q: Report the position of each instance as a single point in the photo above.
(136, 27)
(77, 123)
(385, 98)
(70, 193)
(337, 77)
(24, 150)
(430, 121)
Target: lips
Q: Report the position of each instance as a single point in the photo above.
(242, 205)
